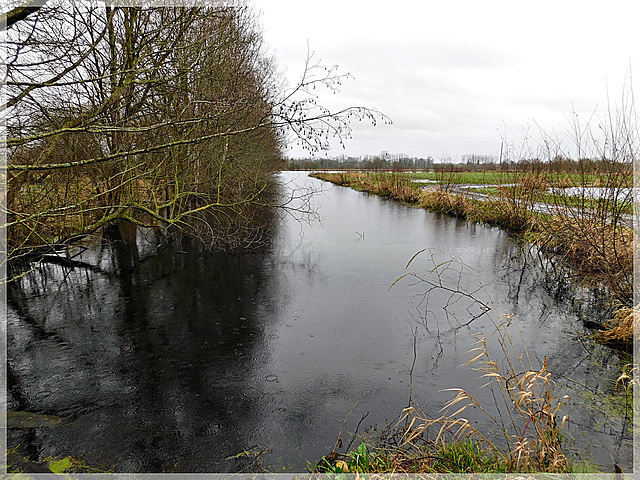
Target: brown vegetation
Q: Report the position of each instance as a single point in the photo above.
(524, 416)
(393, 186)
(597, 243)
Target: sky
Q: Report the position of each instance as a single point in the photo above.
(461, 77)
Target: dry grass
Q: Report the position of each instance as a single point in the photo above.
(526, 417)
(442, 201)
(620, 329)
(388, 185)
(524, 413)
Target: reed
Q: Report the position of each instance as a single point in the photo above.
(393, 186)
(525, 413)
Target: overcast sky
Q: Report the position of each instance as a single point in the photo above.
(459, 77)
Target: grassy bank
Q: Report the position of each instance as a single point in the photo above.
(396, 186)
(595, 241)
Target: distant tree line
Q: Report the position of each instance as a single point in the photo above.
(470, 162)
(384, 161)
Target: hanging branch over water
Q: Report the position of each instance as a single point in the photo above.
(447, 277)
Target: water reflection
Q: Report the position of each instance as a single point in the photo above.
(171, 358)
(147, 367)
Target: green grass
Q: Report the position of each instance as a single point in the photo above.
(467, 457)
(497, 178)
(590, 203)
(460, 457)
(468, 178)
(572, 201)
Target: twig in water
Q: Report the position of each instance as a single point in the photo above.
(339, 439)
(413, 364)
(244, 453)
(356, 431)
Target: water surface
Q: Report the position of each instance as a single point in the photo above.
(172, 358)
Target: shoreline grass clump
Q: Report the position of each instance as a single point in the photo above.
(601, 252)
(524, 415)
(510, 216)
(620, 328)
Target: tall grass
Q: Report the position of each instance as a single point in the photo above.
(525, 415)
(394, 185)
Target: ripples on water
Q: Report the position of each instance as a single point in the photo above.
(190, 358)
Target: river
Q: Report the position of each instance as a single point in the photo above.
(190, 358)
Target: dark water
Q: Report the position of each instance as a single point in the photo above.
(176, 359)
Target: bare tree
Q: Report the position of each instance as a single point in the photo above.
(18, 11)
(171, 118)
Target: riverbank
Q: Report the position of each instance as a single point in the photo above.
(596, 243)
(529, 426)
(525, 436)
